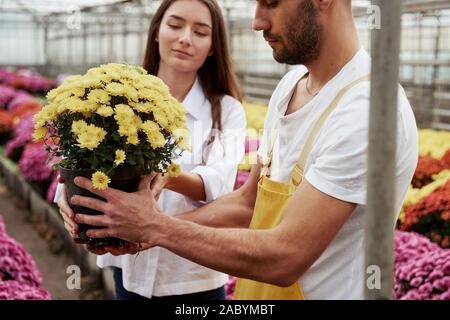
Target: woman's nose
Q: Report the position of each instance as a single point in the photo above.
(185, 37)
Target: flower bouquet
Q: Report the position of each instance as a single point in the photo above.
(114, 124)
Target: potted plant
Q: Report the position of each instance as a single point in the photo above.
(114, 124)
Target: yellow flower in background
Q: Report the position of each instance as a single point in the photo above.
(256, 114)
(433, 143)
(174, 170)
(100, 180)
(120, 157)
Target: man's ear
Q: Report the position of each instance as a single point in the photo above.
(324, 4)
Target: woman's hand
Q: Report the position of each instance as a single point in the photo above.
(128, 248)
(158, 183)
(68, 216)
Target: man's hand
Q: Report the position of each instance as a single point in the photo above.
(128, 216)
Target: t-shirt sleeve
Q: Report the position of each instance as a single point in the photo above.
(338, 160)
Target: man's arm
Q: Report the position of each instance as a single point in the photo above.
(233, 210)
(280, 256)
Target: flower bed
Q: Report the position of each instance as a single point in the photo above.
(422, 268)
(19, 277)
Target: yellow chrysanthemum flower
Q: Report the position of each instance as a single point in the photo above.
(100, 180)
(79, 126)
(133, 139)
(91, 137)
(182, 137)
(174, 170)
(40, 133)
(161, 118)
(78, 91)
(144, 107)
(120, 157)
(105, 111)
(99, 96)
(131, 92)
(156, 139)
(149, 126)
(49, 112)
(115, 88)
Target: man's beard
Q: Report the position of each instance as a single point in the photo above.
(303, 34)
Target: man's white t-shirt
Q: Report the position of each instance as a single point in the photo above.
(337, 166)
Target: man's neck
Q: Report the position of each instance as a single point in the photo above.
(336, 52)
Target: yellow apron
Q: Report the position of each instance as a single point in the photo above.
(271, 198)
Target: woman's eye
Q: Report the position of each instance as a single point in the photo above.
(173, 26)
(201, 34)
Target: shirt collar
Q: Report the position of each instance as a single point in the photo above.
(195, 100)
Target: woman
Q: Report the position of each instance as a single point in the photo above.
(188, 50)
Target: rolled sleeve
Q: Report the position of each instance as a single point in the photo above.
(219, 168)
(58, 193)
(213, 181)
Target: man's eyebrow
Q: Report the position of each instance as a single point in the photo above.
(197, 23)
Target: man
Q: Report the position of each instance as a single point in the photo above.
(305, 197)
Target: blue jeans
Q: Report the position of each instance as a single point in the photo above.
(124, 294)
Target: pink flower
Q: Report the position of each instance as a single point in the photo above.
(33, 163)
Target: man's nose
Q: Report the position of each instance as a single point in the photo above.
(260, 20)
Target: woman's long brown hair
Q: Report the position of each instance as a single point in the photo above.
(217, 76)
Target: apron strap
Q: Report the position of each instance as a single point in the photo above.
(298, 171)
(267, 162)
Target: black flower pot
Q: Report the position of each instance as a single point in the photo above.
(124, 179)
